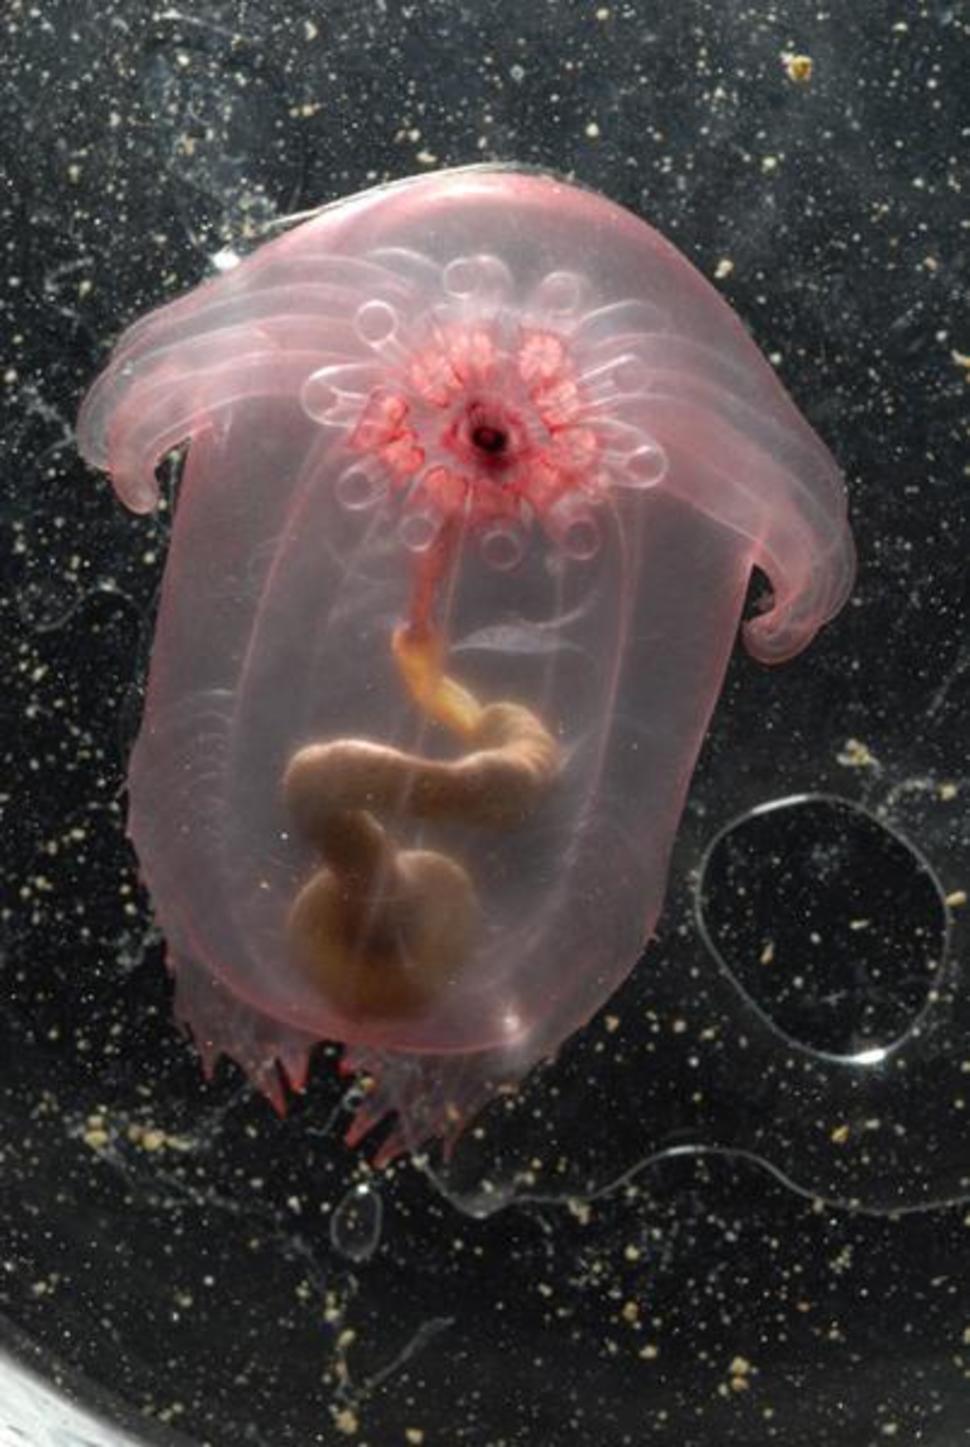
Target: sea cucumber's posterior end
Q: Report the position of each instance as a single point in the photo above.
(274, 1057)
(424, 1100)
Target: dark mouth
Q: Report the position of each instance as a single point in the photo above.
(488, 439)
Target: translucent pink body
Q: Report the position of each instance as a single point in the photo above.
(532, 364)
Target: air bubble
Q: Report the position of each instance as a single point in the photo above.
(356, 489)
(355, 1225)
(502, 547)
(375, 322)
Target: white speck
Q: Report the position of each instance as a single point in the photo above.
(226, 260)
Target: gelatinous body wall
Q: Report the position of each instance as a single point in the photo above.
(478, 468)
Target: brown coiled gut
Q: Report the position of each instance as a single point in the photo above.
(381, 930)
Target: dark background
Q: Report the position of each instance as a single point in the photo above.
(737, 1209)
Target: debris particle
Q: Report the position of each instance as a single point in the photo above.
(798, 68)
(739, 1373)
(856, 755)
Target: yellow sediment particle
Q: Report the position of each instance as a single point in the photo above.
(798, 67)
(856, 755)
(739, 1374)
(151, 1139)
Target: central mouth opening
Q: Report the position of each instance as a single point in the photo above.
(489, 438)
(489, 434)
